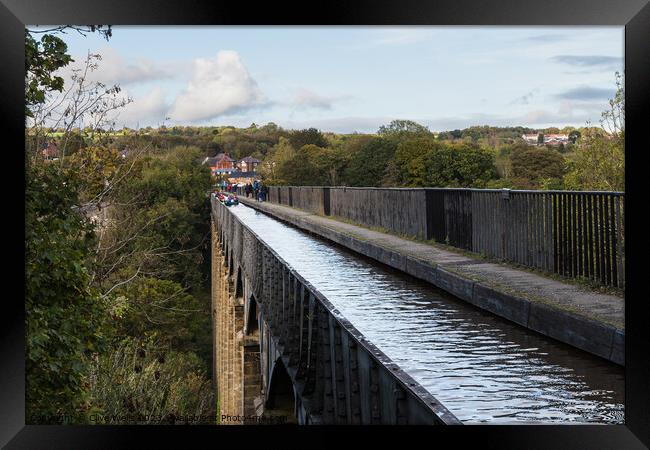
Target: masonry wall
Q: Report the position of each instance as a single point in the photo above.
(227, 320)
(236, 354)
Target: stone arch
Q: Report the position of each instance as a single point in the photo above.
(252, 323)
(239, 284)
(281, 398)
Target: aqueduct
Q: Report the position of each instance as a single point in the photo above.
(283, 351)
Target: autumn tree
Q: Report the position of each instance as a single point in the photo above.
(599, 161)
(536, 164)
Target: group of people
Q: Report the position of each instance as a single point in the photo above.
(257, 190)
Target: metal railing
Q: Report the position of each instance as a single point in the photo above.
(578, 234)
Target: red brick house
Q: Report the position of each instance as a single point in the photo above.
(50, 151)
(221, 163)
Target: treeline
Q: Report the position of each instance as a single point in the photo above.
(117, 302)
(406, 154)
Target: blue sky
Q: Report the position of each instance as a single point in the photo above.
(347, 79)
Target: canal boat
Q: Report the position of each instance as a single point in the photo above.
(227, 199)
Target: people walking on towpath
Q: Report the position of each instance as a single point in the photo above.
(256, 189)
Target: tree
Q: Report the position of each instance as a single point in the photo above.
(456, 134)
(598, 163)
(64, 314)
(272, 169)
(309, 167)
(613, 119)
(459, 165)
(599, 160)
(574, 135)
(536, 163)
(367, 166)
(428, 162)
(309, 136)
(409, 158)
(164, 310)
(402, 129)
(159, 219)
(43, 58)
(540, 139)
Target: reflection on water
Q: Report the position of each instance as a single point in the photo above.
(482, 368)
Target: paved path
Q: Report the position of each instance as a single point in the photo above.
(571, 299)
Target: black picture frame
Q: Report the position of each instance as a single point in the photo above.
(633, 14)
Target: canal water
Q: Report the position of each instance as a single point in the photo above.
(482, 368)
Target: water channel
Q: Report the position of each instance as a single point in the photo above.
(484, 369)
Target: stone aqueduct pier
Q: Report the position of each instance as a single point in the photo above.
(281, 349)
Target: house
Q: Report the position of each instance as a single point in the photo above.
(549, 139)
(248, 164)
(530, 139)
(556, 139)
(50, 151)
(220, 164)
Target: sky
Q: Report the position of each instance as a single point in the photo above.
(347, 79)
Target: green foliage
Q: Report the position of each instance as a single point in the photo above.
(309, 136)
(459, 165)
(403, 129)
(165, 311)
(599, 160)
(500, 183)
(537, 163)
(367, 166)
(163, 203)
(409, 158)
(274, 167)
(141, 381)
(309, 166)
(64, 314)
(93, 167)
(42, 59)
(574, 135)
(428, 162)
(598, 163)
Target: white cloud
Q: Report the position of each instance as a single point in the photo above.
(113, 69)
(305, 98)
(219, 86)
(149, 109)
